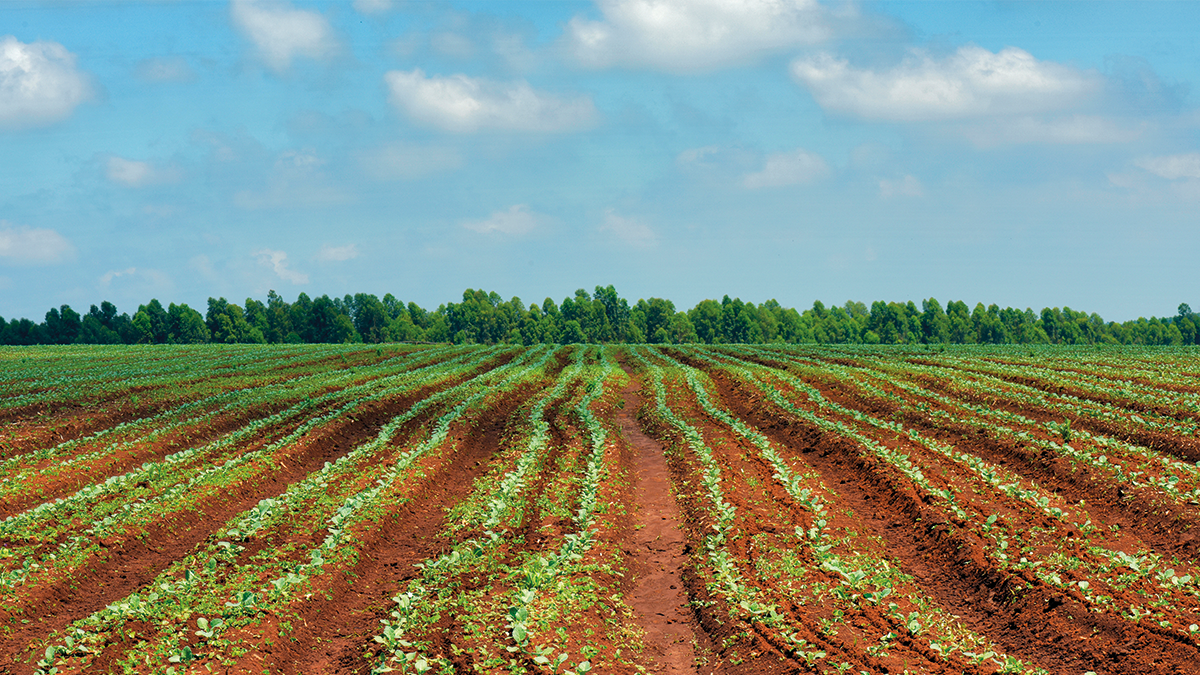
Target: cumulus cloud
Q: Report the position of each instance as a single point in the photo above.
(28, 246)
(908, 186)
(337, 253)
(516, 220)
(39, 83)
(132, 173)
(629, 230)
(372, 6)
(973, 82)
(788, 168)
(693, 35)
(165, 69)
(281, 32)
(404, 161)
(1172, 167)
(278, 263)
(467, 104)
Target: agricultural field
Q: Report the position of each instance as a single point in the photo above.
(603, 509)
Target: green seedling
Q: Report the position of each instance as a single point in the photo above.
(208, 628)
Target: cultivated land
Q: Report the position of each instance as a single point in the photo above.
(735, 509)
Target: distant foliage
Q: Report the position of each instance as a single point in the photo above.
(599, 317)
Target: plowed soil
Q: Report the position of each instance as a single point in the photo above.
(345, 609)
(1114, 596)
(659, 553)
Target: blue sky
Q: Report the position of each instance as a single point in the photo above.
(1019, 153)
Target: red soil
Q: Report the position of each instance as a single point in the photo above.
(344, 611)
(132, 562)
(1027, 619)
(658, 550)
(688, 629)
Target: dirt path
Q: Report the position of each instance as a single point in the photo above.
(658, 598)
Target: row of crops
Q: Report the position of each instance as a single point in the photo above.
(450, 509)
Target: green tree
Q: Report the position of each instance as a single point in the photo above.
(62, 326)
(680, 330)
(572, 333)
(301, 320)
(438, 329)
(371, 318)
(226, 323)
(706, 319)
(279, 319)
(187, 325)
(96, 327)
(616, 311)
(142, 329)
(962, 329)
(159, 321)
(328, 322)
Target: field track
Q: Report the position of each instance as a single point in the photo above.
(618, 509)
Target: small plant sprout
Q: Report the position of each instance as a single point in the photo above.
(183, 656)
(208, 628)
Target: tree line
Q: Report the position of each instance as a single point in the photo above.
(599, 317)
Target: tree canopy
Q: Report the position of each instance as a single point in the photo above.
(601, 316)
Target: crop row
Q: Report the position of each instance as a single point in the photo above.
(469, 509)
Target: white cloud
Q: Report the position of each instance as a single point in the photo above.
(337, 253)
(304, 160)
(28, 246)
(973, 82)
(512, 49)
(39, 83)
(1071, 130)
(139, 174)
(165, 69)
(403, 161)
(718, 166)
(517, 220)
(372, 6)
(908, 186)
(146, 277)
(698, 156)
(1172, 167)
(629, 230)
(788, 168)
(277, 261)
(282, 33)
(693, 35)
(467, 104)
